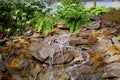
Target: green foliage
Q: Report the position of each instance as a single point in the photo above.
(43, 23)
(74, 15)
(69, 2)
(118, 37)
(15, 16)
(96, 10)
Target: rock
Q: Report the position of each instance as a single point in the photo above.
(2, 65)
(15, 40)
(110, 24)
(79, 72)
(113, 69)
(64, 56)
(0, 58)
(84, 69)
(72, 41)
(104, 46)
(61, 25)
(41, 51)
(2, 41)
(97, 76)
(60, 32)
(118, 79)
(85, 34)
(18, 64)
(57, 50)
(18, 77)
(28, 33)
(35, 35)
(34, 40)
(95, 18)
(116, 42)
(117, 28)
(34, 72)
(112, 31)
(61, 58)
(113, 58)
(61, 76)
(77, 41)
(94, 25)
(4, 77)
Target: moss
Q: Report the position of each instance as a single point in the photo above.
(14, 64)
(97, 61)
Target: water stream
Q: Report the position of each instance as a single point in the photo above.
(63, 44)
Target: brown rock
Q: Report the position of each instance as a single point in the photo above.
(35, 71)
(94, 25)
(77, 41)
(116, 42)
(2, 42)
(36, 35)
(111, 59)
(40, 51)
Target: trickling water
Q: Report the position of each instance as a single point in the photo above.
(62, 43)
(51, 67)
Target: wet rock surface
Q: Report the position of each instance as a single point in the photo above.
(92, 53)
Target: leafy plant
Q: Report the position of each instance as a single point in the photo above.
(43, 23)
(15, 16)
(69, 2)
(73, 14)
(96, 10)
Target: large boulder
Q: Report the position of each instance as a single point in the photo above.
(57, 49)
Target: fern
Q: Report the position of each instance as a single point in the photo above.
(43, 23)
(74, 15)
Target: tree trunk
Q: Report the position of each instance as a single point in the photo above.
(94, 3)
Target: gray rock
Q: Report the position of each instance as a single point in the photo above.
(57, 49)
(24, 63)
(41, 51)
(60, 58)
(95, 18)
(97, 76)
(94, 25)
(113, 69)
(28, 33)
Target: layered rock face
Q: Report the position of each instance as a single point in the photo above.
(92, 53)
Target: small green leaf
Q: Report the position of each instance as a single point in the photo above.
(118, 37)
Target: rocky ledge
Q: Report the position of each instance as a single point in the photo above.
(92, 53)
